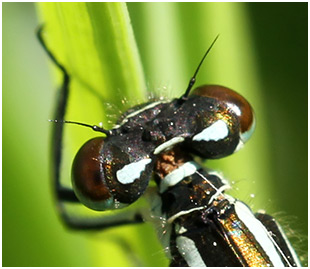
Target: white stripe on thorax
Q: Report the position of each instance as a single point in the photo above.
(189, 252)
(184, 212)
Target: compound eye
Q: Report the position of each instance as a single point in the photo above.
(235, 102)
(107, 174)
(88, 183)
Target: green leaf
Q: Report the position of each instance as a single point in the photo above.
(95, 42)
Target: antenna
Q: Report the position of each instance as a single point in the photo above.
(94, 127)
(193, 79)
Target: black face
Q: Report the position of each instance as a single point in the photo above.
(112, 172)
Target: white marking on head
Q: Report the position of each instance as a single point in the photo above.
(134, 113)
(259, 232)
(189, 252)
(178, 174)
(168, 144)
(130, 172)
(214, 132)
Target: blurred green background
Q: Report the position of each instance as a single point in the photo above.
(261, 53)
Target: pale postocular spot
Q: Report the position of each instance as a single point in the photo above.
(214, 132)
(130, 172)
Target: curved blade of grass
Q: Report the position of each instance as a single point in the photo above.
(95, 42)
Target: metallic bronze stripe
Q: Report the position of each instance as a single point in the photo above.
(243, 242)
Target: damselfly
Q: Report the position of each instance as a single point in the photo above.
(201, 225)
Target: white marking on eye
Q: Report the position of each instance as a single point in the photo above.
(168, 144)
(189, 252)
(259, 232)
(130, 172)
(214, 132)
(178, 174)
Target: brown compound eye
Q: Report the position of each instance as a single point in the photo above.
(107, 174)
(87, 179)
(235, 102)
